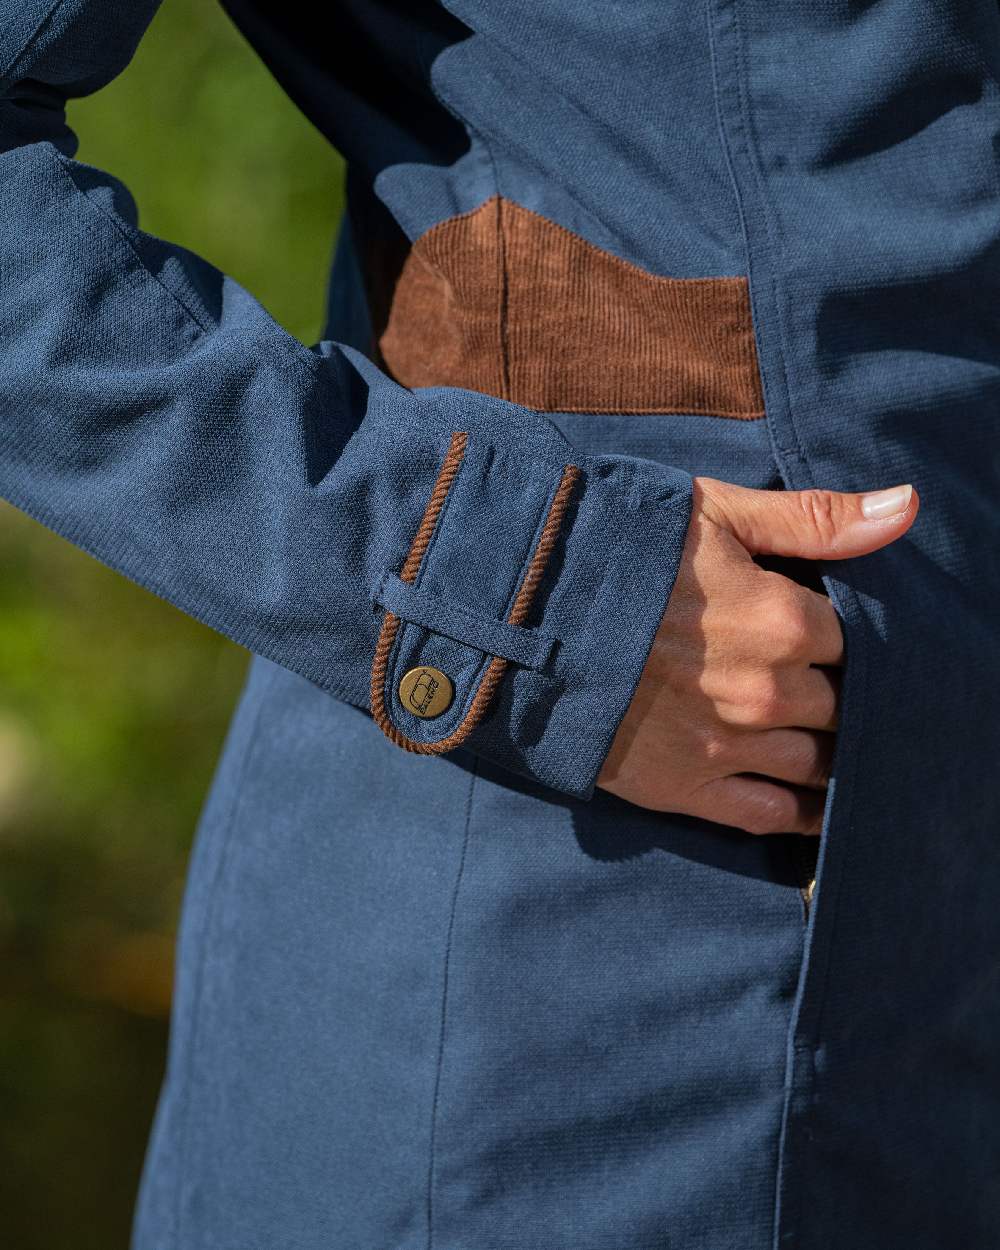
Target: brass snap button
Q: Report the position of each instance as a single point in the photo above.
(426, 692)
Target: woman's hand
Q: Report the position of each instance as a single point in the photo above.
(734, 716)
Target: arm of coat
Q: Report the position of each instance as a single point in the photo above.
(298, 500)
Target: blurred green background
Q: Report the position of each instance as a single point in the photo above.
(113, 706)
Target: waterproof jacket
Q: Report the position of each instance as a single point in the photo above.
(452, 995)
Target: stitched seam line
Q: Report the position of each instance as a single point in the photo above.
(801, 1025)
(130, 244)
(689, 410)
(518, 614)
(444, 1005)
(207, 326)
(845, 780)
(768, 247)
(519, 149)
(503, 293)
(33, 38)
(728, 279)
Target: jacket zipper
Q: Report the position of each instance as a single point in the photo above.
(807, 894)
(804, 853)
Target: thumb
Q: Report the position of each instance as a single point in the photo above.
(813, 524)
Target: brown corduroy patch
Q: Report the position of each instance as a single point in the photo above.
(502, 300)
(517, 616)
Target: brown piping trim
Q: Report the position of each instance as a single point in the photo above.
(446, 475)
(517, 616)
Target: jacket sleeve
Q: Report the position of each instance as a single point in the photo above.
(295, 499)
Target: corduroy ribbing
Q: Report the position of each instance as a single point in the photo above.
(504, 301)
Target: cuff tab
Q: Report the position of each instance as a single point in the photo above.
(525, 647)
(478, 705)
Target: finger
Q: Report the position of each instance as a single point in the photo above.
(802, 756)
(813, 524)
(825, 633)
(793, 623)
(806, 697)
(758, 806)
(813, 699)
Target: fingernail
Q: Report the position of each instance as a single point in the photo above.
(883, 503)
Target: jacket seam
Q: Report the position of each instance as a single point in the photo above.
(33, 38)
(503, 288)
(445, 986)
(794, 1047)
(109, 218)
(524, 155)
(754, 164)
(629, 265)
(204, 325)
(486, 141)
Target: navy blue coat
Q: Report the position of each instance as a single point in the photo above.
(452, 995)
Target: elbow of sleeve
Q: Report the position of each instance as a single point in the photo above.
(75, 46)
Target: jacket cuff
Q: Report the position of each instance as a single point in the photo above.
(519, 622)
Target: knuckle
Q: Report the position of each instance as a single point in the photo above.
(793, 631)
(732, 713)
(785, 619)
(820, 512)
(764, 702)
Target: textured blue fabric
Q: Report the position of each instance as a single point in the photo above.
(442, 1003)
(419, 1003)
(179, 434)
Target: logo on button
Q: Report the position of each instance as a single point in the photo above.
(426, 692)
